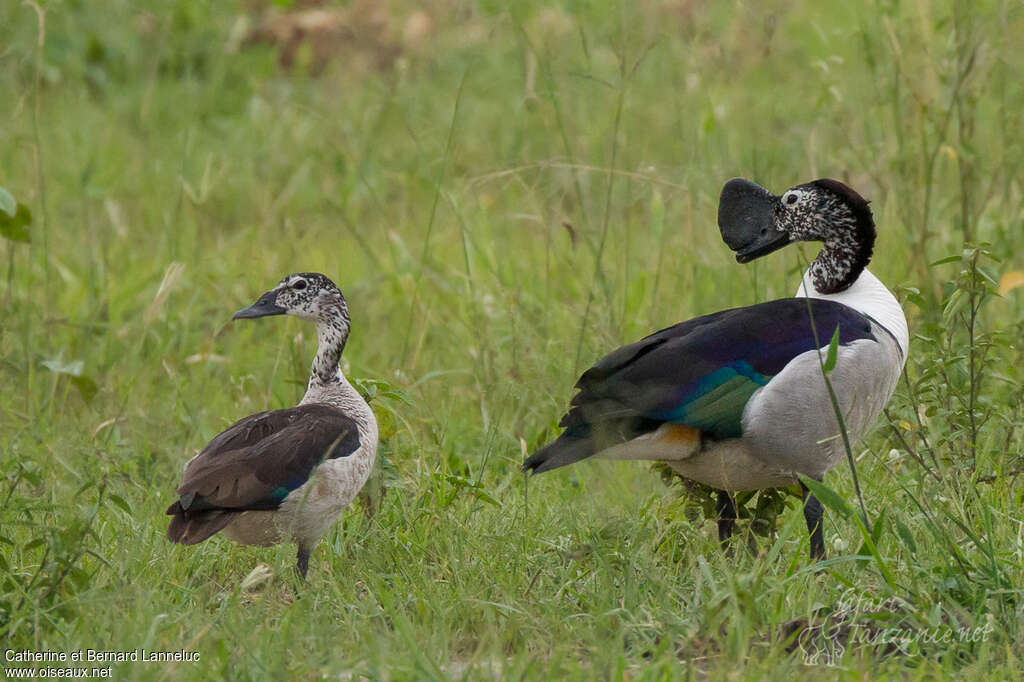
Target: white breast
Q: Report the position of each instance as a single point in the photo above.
(869, 296)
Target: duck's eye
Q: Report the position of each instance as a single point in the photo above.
(300, 285)
(791, 199)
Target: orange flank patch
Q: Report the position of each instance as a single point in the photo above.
(677, 434)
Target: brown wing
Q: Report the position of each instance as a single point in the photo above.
(255, 464)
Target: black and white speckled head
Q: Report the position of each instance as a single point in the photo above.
(313, 297)
(754, 223)
(307, 295)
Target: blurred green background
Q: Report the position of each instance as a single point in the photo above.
(505, 192)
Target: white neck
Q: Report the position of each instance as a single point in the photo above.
(869, 296)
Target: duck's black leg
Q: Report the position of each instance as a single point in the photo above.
(302, 563)
(813, 513)
(727, 515)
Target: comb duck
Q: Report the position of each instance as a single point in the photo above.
(285, 475)
(736, 400)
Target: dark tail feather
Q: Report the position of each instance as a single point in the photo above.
(565, 450)
(190, 528)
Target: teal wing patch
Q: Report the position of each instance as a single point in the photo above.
(715, 402)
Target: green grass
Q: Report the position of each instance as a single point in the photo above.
(518, 194)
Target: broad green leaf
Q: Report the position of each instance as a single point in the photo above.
(827, 496)
(85, 384)
(15, 227)
(387, 424)
(988, 276)
(833, 351)
(957, 301)
(32, 544)
(86, 387)
(32, 476)
(906, 536)
(99, 557)
(869, 543)
(119, 501)
(395, 394)
(474, 487)
(82, 488)
(876, 534)
(480, 494)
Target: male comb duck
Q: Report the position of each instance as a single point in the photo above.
(736, 400)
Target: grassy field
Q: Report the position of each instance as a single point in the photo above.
(504, 196)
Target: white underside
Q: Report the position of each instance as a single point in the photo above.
(790, 426)
(726, 465)
(309, 512)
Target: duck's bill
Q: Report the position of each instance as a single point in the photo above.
(746, 217)
(266, 305)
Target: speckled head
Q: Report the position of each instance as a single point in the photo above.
(754, 223)
(315, 298)
(307, 295)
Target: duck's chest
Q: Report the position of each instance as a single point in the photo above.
(791, 422)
